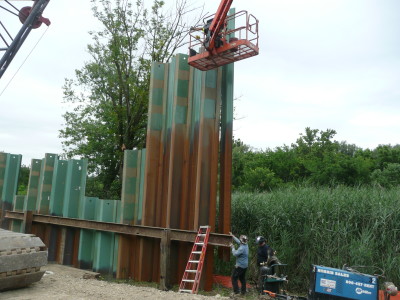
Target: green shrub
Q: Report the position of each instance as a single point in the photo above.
(388, 177)
(261, 179)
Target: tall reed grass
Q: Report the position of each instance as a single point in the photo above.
(324, 226)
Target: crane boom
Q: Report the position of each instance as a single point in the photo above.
(31, 18)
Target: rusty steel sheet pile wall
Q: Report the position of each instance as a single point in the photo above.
(131, 212)
(181, 164)
(173, 183)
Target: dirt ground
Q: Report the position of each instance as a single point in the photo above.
(61, 282)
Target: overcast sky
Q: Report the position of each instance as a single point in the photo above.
(322, 64)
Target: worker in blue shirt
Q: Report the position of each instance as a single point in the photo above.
(242, 262)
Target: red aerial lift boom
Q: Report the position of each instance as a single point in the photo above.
(223, 39)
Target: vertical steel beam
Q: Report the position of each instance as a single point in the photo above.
(140, 186)
(176, 207)
(58, 188)
(74, 187)
(129, 186)
(87, 209)
(103, 258)
(127, 216)
(117, 243)
(131, 211)
(74, 193)
(176, 200)
(56, 206)
(45, 183)
(10, 184)
(156, 119)
(44, 193)
(225, 186)
(18, 205)
(33, 185)
(4, 158)
(195, 103)
(153, 202)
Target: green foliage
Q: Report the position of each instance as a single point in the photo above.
(388, 177)
(109, 94)
(23, 180)
(260, 179)
(326, 226)
(314, 158)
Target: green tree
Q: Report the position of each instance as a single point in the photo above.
(109, 94)
(388, 177)
(316, 153)
(386, 154)
(285, 163)
(240, 153)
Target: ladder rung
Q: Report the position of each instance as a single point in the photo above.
(201, 242)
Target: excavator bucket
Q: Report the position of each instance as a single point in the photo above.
(231, 45)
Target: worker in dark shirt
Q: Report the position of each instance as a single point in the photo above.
(265, 258)
(264, 251)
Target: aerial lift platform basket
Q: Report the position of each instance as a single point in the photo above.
(215, 44)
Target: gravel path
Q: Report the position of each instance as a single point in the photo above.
(63, 282)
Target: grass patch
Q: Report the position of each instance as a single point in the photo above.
(326, 226)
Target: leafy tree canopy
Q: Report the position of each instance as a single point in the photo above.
(109, 94)
(314, 158)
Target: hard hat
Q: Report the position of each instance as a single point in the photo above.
(243, 239)
(260, 239)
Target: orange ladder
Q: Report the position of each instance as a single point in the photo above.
(191, 277)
